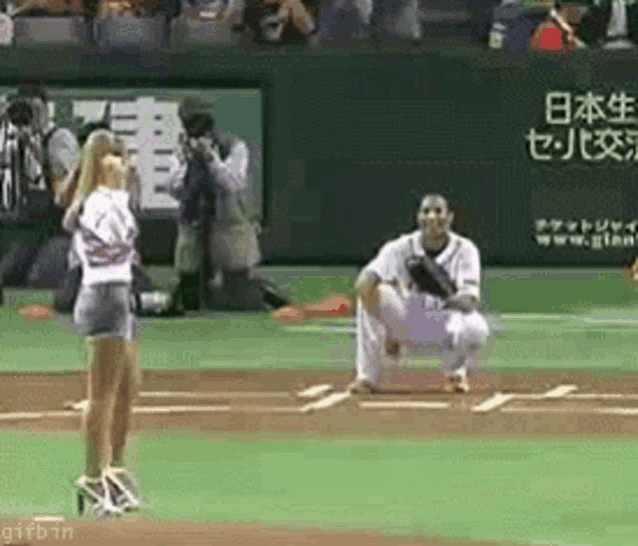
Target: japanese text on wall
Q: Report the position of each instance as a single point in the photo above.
(589, 127)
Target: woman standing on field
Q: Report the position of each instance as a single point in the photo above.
(104, 232)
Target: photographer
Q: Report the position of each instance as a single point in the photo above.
(210, 180)
(48, 155)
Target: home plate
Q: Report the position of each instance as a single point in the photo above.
(314, 392)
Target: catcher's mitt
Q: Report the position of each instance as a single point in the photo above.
(429, 277)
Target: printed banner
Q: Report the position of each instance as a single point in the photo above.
(589, 127)
(585, 233)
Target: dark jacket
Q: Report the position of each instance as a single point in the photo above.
(197, 194)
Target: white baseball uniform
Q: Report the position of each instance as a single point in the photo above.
(417, 320)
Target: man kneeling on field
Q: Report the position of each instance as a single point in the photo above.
(421, 290)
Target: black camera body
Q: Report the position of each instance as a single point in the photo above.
(22, 199)
(198, 125)
(20, 112)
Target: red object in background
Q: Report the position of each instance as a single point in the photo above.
(336, 305)
(548, 38)
(551, 38)
(35, 312)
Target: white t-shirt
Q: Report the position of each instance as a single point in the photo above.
(460, 259)
(104, 242)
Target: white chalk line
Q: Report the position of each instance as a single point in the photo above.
(309, 393)
(597, 411)
(38, 415)
(560, 391)
(216, 395)
(28, 416)
(496, 401)
(179, 409)
(601, 396)
(315, 391)
(500, 399)
(587, 396)
(48, 518)
(404, 405)
(328, 402)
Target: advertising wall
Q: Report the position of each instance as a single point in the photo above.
(537, 158)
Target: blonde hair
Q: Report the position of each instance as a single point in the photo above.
(99, 144)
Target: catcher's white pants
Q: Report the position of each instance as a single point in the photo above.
(456, 335)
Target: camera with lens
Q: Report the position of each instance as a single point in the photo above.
(198, 125)
(24, 192)
(20, 112)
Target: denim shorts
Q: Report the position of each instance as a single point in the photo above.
(106, 310)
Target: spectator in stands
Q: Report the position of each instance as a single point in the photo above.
(47, 8)
(612, 24)
(561, 37)
(281, 21)
(515, 27)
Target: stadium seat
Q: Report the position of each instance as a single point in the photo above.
(342, 22)
(128, 32)
(396, 19)
(49, 31)
(195, 26)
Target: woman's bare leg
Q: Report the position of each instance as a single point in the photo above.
(126, 395)
(107, 361)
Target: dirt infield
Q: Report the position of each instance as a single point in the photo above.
(267, 401)
(269, 404)
(141, 533)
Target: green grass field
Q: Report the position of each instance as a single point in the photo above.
(547, 490)
(601, 340)
(561, 492)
